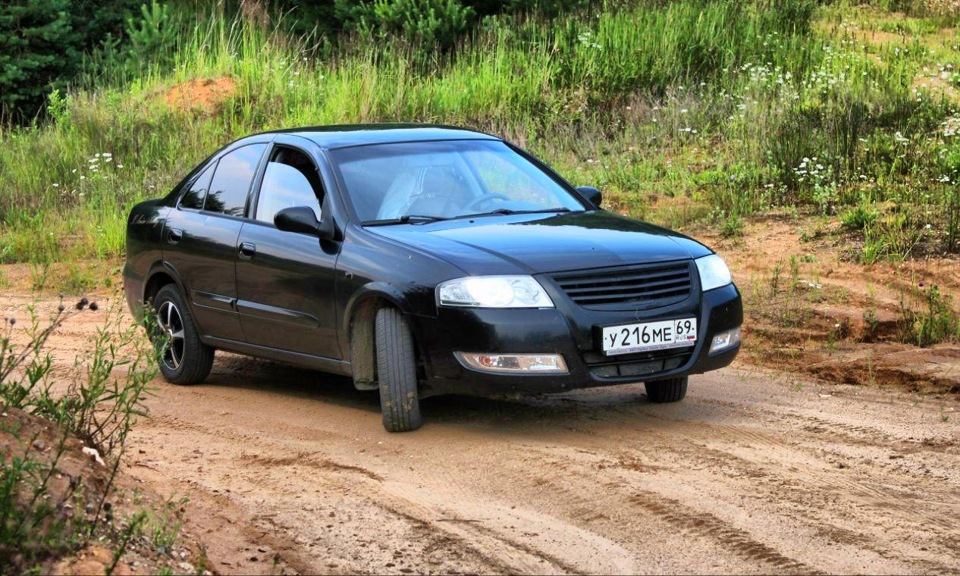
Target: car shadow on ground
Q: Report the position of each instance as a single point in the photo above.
(575, 410)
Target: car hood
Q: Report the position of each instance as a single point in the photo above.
(538, 243)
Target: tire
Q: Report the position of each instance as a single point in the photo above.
(397, 372)
(663, 391)
(183, 358)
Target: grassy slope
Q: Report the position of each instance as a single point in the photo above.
(730, 109)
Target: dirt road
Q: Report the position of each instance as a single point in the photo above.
(752, 473)
(755, 472)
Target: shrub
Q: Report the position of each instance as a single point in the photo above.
(39, 49)
(425, 23)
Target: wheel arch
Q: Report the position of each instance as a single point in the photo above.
(360, 328)
(159, 276)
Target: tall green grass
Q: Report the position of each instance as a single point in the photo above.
(735, 105)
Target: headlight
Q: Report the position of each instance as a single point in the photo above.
(713, 272)
(493, 292)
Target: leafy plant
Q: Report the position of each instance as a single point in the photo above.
(100, 407)
(424, 23)
(928, 317)
(153, 35)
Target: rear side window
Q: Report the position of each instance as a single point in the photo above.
(198, 191)
(232, 179)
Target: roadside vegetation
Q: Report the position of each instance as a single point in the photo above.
(693, 112)
(62, 441)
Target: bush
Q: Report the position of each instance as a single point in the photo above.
(425, 23)
(42, 516)
(39, 49)
(42, 43)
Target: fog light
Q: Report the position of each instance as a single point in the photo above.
(725, 340)
(513, 363)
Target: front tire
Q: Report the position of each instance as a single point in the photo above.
(663, 391)
(183, 358)
(397, 372)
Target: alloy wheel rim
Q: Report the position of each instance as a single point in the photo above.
(170, 324)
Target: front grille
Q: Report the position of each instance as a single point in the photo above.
(644, 286)
(641, 364)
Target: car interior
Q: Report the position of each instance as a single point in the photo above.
(290, 180)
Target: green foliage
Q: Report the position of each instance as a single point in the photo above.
(928, 317)
(860, 217)
(424, 23)
(39, 49)
(153, 35)
(100, 407)
(42, 44)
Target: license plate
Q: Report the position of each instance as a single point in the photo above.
(629, 338)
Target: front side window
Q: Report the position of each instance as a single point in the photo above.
(232, 179)
(290, 180)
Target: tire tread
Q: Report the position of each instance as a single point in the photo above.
(666, 391)
(397, 372)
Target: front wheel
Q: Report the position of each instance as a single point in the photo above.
(663, 391)
(397, 372)
(184, 359)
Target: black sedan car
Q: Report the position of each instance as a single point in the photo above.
(421, 260)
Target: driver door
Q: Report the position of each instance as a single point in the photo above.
(285, 280)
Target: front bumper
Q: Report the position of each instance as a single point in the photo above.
(571, 331)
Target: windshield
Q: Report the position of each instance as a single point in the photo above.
(425, 181)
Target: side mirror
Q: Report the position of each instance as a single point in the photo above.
(592, 194)
(300, 219)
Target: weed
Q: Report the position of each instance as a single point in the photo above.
(794, 273)
(99, 407)
(30, 525)
(163, 525)
(859, 217)
(775, 279)
(133, 529)
(927, 317)
(732, 227)
(39, 276)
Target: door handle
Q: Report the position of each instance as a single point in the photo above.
(247, 250)
(175, 236)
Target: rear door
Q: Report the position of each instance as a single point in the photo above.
(285, 281)
(200, 239)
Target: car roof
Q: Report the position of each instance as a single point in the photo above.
(343, 136)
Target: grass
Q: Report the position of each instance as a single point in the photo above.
(681, 112)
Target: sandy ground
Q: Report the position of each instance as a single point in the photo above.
(754, 472)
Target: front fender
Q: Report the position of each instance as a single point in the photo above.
(375, 291)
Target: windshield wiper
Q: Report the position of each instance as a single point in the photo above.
(405, 219)
(501, 211)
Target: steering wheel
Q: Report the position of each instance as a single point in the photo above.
(476, 202)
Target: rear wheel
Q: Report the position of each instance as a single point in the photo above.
(663, 391)
(397, 372)
(184, 359)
